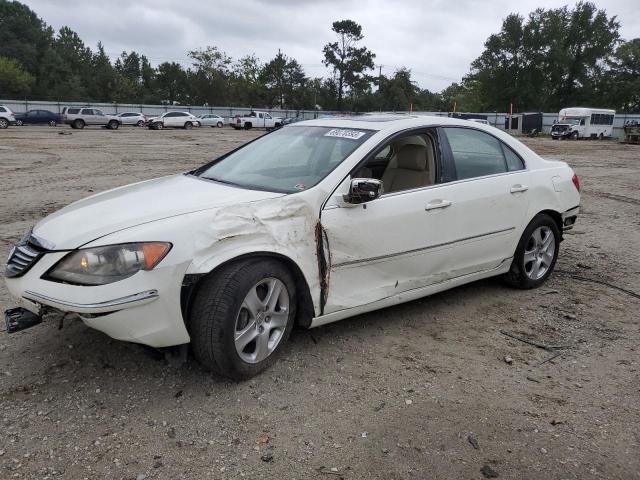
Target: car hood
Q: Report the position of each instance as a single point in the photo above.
(131, 205)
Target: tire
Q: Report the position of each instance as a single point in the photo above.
(574, 136)
(140, 123)
(78, 124)
(601, 136)
(4, 123)
(113, 125)
(220, 310)
(533, 262)
(554, 138)
(188, 125)
(219, 124)
(247, 126)
(52, 123)
(19, 123)
(157, 126)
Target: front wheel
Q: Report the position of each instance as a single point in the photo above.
(19, 123)
(52, 123)
(574, 136)
(536, 254)
(219, 124)
(188, 126)
(113, 125)
(242, 316)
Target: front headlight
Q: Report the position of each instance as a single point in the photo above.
(102, 265)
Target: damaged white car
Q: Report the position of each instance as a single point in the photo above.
(318, 221)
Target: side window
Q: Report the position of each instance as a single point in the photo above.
(2, 109)
(514, 162)
(73, 111)
(266, 115)
(87, 111)
(98, 112)
(475, 153)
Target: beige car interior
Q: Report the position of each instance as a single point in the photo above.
(412, 164)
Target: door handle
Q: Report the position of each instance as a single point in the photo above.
(519, 188)
(438, 204)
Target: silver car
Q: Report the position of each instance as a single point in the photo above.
(212, 120)
(132, 118)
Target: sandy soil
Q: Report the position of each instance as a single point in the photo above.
(395, 394)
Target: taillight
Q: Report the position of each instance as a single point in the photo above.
(576, 181)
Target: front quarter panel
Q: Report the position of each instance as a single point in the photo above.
(206, 239)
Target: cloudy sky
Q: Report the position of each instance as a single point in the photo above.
(436, 39)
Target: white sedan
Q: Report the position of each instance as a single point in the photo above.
(316, 222)
(212, 120)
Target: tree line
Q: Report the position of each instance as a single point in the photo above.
(548, 60)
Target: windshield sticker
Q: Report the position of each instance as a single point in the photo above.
(300, 186)
(341, 133)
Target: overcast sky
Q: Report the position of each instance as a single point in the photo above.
(436, 39)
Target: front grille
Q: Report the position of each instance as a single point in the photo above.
(22, 257)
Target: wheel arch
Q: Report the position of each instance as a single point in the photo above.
(555, 215)
(305, 307)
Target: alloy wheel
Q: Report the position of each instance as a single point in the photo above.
(539, 252)
(262, 320)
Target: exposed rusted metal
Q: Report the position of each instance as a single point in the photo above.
(323, 264)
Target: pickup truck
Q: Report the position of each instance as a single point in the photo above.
(257, 120)
(80, 117)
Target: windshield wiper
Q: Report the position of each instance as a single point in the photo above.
(219, 180)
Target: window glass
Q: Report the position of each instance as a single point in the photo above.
(87, 111)
(73, 110)
(475, 153)
(98, 112)
(2, 109)
(287, 160)
(513, 161)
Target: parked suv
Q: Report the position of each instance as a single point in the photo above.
(6, 117)
(132, 118)
(174, 119)
(79, 117)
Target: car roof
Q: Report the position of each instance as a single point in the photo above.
(388, 123)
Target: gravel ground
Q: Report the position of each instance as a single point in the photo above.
(421, 390)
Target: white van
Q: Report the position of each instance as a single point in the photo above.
(583, 123)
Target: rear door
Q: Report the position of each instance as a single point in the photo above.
(488, 198)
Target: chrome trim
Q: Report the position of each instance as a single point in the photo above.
(140, 298)
(416, 250)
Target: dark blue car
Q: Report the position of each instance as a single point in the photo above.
(34, 117)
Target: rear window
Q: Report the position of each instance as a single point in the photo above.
(2, 109)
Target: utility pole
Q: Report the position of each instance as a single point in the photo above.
(380, 85)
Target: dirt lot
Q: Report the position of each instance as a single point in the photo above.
(393, 394)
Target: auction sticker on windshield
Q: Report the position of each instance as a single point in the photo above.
(343, 133)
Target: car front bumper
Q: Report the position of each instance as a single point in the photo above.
(144, 308)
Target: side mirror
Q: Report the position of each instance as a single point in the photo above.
(363, 190)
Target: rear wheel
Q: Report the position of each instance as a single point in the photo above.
(536, 254)
(601, 136)
(140, 123)
(247, 126)
(52, 123)
(19, 123)
(4, 123)
(78, 124)
(242, 316)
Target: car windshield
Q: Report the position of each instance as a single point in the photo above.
(288, 160)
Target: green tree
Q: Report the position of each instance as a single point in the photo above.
(210, 79)
(171, 81)
(284, 79)
(348, 61)
(553, 59)
(624, 77)
(14, 80)
(23, 36)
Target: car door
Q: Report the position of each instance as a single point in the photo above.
(392, 244)
(88, 116)
(486, 201)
